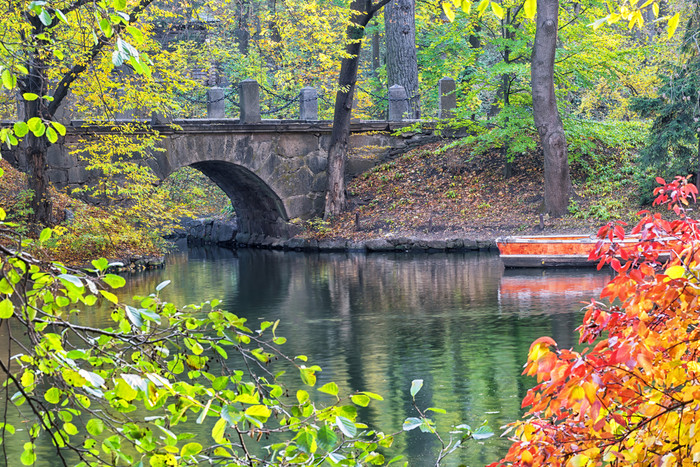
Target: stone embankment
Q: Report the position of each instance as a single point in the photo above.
(225, 233)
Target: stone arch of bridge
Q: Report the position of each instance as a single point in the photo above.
(258, 208)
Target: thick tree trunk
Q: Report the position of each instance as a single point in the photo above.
(401, 60)
(557, 181)
(340, 136)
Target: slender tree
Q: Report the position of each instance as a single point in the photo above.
(362, 12)
(557, 180)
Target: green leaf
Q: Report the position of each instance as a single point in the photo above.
(70, 429)
(436, 410)
(45, 17)
(416, 386)
(100, 264)
(28, 457)
(6, 309)
(162, 285)
(53, 396)
(217, 433)
(27, 378)
(259, 411)
(70, 279)
(308, 376)
(483, 432)
(124, 390)
(190, 449)
(411, 423)
(61, 16)
(114, 281)
(45, 235)
(481, 8)
(34, 124)
(204, 412)
(119, 4)
(347, 427)
(106, 27)
(51, 135)
(373, 395)
(109, 296)
(327, 438)
(21, 129)
(307, 442)
(135, 33)
(329, 388)
(95, 426)
(360, 399)
(8, 79)
(30, 96)
(59, 128)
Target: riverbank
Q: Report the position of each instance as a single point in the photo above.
(448, 199)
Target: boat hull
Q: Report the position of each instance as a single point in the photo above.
(549, 251)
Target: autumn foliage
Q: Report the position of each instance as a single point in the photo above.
(632, 397)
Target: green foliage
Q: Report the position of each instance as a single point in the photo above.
(194, 191)
(319, 225)
(512, 130)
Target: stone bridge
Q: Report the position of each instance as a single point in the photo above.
(272, 170)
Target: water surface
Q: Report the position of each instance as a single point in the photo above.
(376, 322)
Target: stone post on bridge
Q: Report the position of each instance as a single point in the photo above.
(216, 103)
(398, 103)
(249, 98)
(448, 98)
(308, 104)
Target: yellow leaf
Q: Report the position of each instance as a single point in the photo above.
(467, 6)
(497, 10)
(577, 393)
(579, 460)
(449, 11)
(483, 4)
(673, 24)
(675, 272)
(655, 9)
(530, 8)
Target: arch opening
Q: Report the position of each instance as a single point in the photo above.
(258, 208)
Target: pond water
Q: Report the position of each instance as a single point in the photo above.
(375, 322)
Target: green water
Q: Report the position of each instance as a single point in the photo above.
(376, 322)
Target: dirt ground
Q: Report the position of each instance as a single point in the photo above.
(430, 193)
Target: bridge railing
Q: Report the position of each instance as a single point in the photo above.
(250, 112)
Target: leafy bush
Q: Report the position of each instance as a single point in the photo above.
(632, 397)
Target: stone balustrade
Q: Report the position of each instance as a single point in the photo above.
(249, 102)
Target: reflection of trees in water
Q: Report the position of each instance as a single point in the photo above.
(375, 322)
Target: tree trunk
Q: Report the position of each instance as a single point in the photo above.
(401, 60)
(340, 136)
(557, 181)
(376, 61)
(242, 32)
